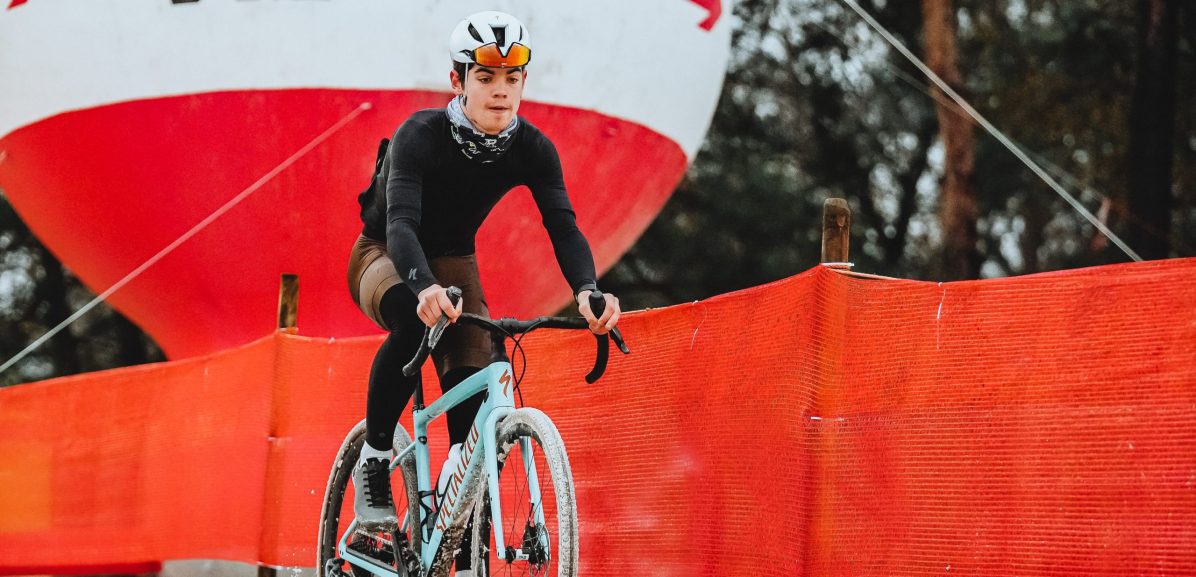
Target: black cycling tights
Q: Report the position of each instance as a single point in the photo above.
(390, 390)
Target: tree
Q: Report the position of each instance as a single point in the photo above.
(805, 114)
(815, 105)
(1152, 121)
(37, 293)
(957, 196)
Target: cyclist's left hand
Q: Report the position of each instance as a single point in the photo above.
(610, 317)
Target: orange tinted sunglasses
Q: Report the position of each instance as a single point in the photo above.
(489, 56)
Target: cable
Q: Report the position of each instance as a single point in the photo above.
(518, 346)
(187, 235)
(988, 126)
(1056, 170)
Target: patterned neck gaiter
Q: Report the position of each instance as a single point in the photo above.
(475, 144)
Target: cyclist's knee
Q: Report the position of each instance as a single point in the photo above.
(397, 309)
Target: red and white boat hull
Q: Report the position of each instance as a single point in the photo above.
(132, 122)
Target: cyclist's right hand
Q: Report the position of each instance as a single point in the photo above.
(609, 317)
(433, 302)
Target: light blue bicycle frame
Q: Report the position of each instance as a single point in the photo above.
(500, 402)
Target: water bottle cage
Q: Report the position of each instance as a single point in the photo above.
(429, 514)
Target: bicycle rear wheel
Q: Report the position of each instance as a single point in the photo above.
(337, 512)
(530, 454)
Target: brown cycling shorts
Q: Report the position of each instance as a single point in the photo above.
(372, 273)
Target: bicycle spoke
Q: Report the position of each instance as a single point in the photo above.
(519, 493)
(524, 531)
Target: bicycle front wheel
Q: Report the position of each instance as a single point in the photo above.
(540, 533)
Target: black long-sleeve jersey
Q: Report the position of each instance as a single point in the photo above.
(436, 199)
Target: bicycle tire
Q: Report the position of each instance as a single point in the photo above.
(334, 496)
(552, 462)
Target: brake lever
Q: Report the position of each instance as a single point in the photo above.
(598, 306)
(432, 335)
(618, 338)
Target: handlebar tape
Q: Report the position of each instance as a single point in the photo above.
(597, 307)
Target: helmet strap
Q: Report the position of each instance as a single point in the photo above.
(465, 95)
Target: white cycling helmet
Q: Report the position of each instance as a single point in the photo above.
(491, 39)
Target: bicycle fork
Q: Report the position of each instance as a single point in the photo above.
(534, 495)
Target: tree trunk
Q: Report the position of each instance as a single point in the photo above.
(131, 345)
(958, 210)
(53, 291)
(1036, 214)
(1152, 128)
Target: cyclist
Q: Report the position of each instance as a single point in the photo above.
(444, 171)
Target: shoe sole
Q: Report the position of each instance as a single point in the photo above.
(385, 524)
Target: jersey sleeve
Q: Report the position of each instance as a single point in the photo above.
(410, 158)
(547, 184)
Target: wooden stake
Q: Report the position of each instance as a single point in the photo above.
(836, 233)
(288, 302)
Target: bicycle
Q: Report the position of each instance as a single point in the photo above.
(539, 535)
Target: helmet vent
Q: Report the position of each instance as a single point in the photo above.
(500, 34)
(474, 32)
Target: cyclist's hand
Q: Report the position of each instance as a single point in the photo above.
(433, 302)
(610, 317)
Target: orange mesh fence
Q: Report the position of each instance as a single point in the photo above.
(825, 424)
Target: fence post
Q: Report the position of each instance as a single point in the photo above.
(288, 312)
(288, 302)
(836, 233)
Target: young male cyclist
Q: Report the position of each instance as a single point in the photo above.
(444, 171)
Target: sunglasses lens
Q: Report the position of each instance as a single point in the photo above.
(488, 55)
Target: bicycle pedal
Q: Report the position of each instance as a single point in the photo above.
(332, 568)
